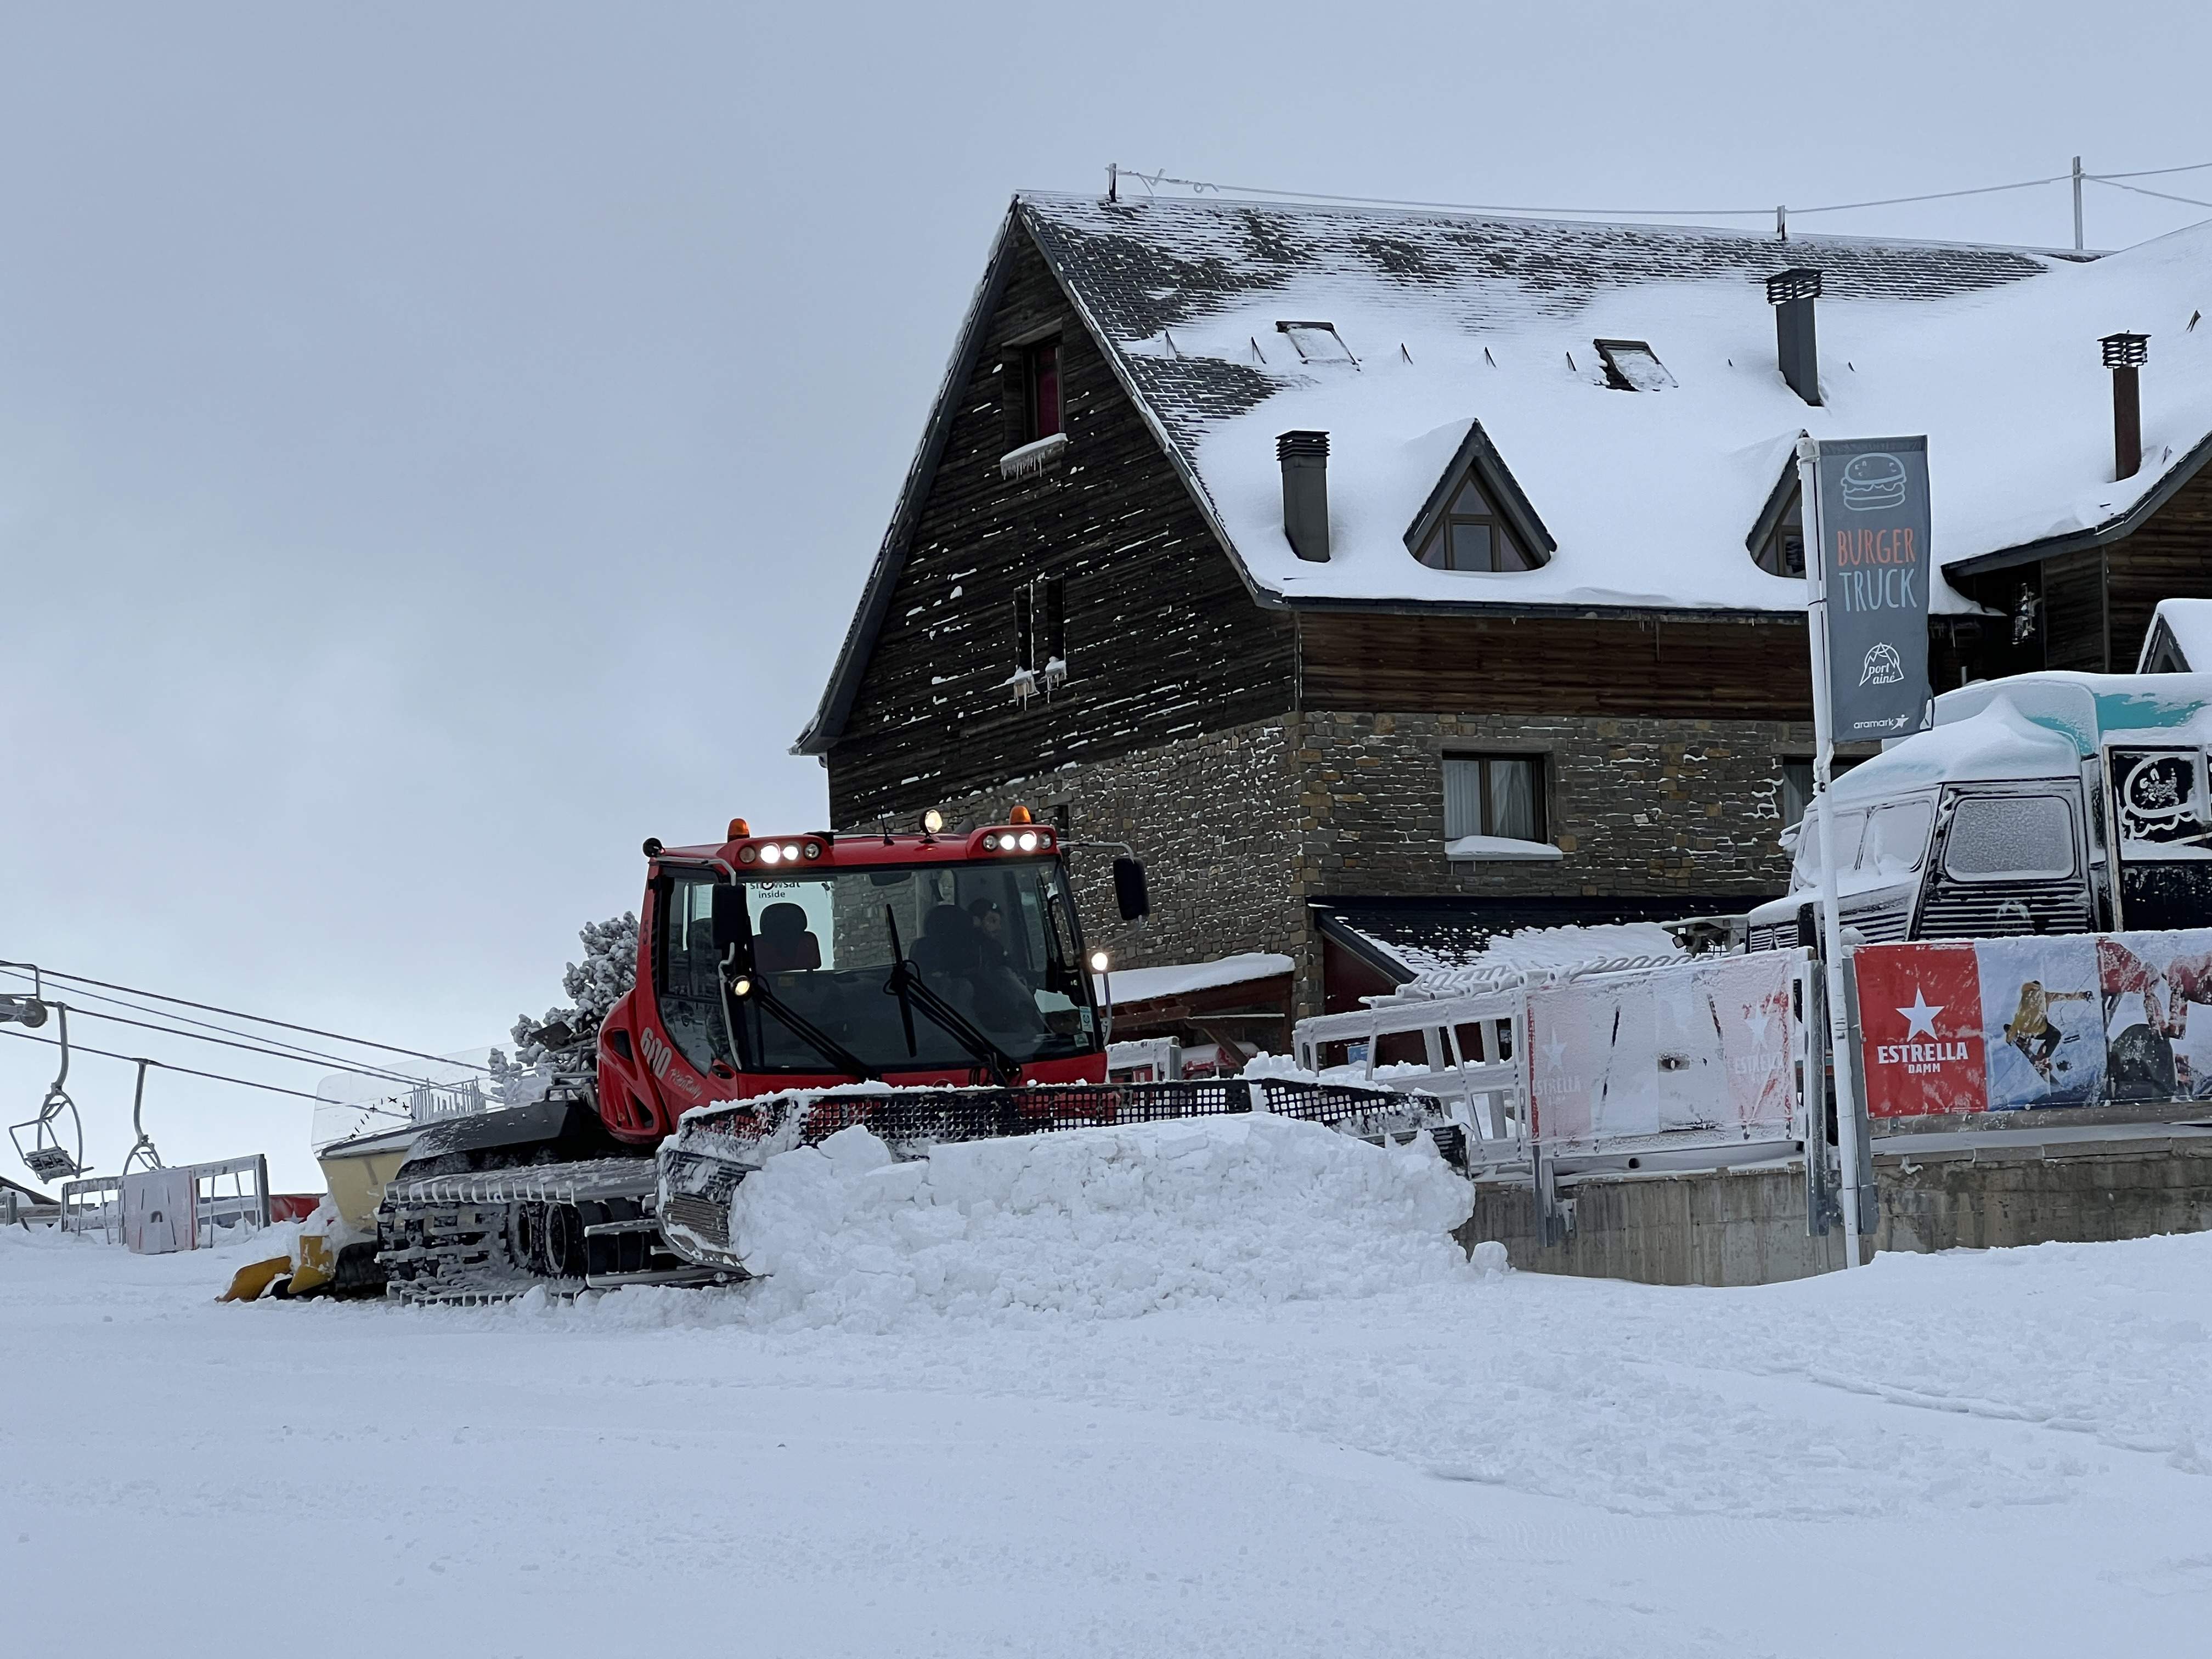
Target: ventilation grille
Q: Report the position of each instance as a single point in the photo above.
(1955, 910)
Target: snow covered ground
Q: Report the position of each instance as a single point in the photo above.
(1969, 1454)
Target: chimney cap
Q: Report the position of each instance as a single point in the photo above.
(1302, 443)
(2125, 350)
(1799, 283)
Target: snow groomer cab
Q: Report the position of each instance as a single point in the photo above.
(2045, 803)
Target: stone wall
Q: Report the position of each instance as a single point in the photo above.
(1638, 807)
(1239, 828)
(1214, 819)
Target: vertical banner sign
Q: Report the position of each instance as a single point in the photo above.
(1872, 549)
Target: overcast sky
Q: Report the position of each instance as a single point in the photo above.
(439, 447)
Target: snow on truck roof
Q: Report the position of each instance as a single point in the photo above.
(2031, 725)
(1997, 744)
(1408, 328)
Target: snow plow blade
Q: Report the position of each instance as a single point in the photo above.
(251, 1282)
(715, 1148)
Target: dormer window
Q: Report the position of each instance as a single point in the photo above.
(1472, 536)
(1476, 519)
(1778, 540)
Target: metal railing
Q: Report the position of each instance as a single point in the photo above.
(230, 1198)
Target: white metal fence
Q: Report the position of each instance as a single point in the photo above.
(226, 1199)
(1556, 1072)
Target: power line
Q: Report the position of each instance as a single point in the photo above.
(1151, 180)
(275, 1048)
(1936, 195)
(2163, 196)
(2147, 173)
(262, 1019)
(214, 1077)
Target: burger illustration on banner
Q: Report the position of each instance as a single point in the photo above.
(1873, 484)
(1883, 667)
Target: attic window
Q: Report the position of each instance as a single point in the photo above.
(1778, 541)
(1476, 518)
(1317, 343)
(1633, 365)
(1041, 382)
(1472, 535)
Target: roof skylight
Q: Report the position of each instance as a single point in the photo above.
(1633, 365)
(1317, 343)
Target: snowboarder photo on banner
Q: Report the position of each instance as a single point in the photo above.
(2190, 980)
(2030, 1030)
(2121, 972)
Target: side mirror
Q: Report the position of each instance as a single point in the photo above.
(1129, 890)
(732, 920)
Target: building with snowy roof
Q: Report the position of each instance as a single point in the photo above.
(1359, 565)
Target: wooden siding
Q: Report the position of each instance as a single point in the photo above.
(2097, 603)
(2169, 558)
(1164, 640)
(1564, 665)
(2074, 629)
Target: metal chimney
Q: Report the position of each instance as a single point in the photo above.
(1791, 293)
(2124, 355)
(1304, 456)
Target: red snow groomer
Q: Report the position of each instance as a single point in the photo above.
(932, 987)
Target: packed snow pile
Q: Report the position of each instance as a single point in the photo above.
(1093, 1224)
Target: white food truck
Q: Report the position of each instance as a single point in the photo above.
(2048, 803)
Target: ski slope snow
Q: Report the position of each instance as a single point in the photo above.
(1973, 1452)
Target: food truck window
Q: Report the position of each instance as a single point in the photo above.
(2010, 837)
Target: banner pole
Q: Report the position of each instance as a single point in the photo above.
(1832, 932)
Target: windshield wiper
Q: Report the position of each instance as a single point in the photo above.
(734, 934)
(906, 984)
(817, 1039)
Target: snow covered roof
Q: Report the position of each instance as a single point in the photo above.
(2179, 640)
(1406, 328)
(1445, 320)
(1133, 985)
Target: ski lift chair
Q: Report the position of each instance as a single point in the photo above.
(56, 1152)
(142, 1154)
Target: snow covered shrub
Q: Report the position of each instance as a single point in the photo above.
(594, 985)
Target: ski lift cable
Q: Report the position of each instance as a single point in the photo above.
(275, 1047)
(257, 1019)
(186, 1071)
(379, 1075)
(227, 1031)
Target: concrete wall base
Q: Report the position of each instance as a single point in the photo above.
(1747, 1226)
(1702, 1227)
